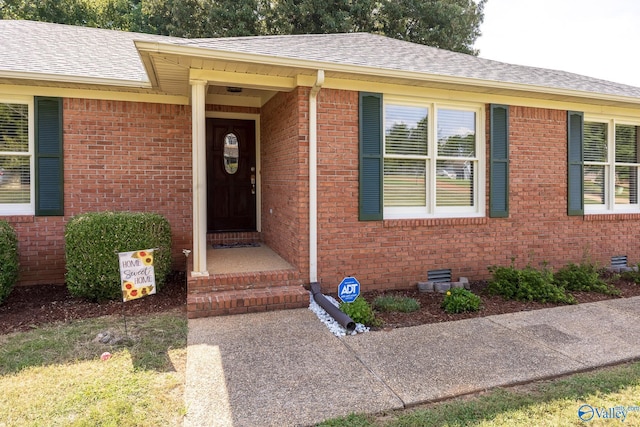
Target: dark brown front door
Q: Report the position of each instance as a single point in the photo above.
(231, 175)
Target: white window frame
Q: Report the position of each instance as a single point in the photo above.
(430, 210)
(610, 205)
(9, 209)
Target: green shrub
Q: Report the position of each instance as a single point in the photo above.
(460, 300)
(8, 260)
(359, 311)
(93, 240)
(632, 276)
(396, 303)
(527, 284)
(583, 277)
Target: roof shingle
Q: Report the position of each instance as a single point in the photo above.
(70, 51)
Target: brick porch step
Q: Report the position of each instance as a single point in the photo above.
(246, 301)
(244, 281)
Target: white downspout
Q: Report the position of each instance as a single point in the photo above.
(313, 177)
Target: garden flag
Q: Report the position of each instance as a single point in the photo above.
(137, 275)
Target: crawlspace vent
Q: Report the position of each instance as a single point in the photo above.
(439, 275)
(619, 261)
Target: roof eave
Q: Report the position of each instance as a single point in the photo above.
(208, 53)
(70, 79)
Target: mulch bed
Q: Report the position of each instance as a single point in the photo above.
(30, 306)
(431, 312)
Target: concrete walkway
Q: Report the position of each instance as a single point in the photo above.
(286, 369)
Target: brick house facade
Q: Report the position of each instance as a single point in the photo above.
(142, 147)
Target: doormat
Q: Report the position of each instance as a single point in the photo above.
(236, 245)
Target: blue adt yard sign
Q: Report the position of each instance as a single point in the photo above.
(349, 289)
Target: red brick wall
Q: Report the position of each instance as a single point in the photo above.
(396, 253)
(137, 156)
(283, 151)
(119, 156)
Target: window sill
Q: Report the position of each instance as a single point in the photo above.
(433, 222)
(16, 218)
(612, 217)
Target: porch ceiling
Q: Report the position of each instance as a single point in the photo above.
(171, 74)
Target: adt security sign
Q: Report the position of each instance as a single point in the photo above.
(349, 289)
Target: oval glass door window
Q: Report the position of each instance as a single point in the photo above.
(230, 156)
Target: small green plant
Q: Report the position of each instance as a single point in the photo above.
(93, 240)
(583, 277)
(527, 284)
(396, 303)
(460, 300)
(360, 312)
(632, 276)
(8, 260)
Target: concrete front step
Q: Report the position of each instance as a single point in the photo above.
(246, 301)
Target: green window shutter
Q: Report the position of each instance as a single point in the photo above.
(499, 169)
(370, 156)
(48, 157)
(575, 181)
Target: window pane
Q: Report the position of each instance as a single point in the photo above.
(404, 182)
(626, 144)
(626, 185)
(14, 179)
(454, 183)
(230, 153)
(456, 133)
(14, 127)
(405, 130)
(595, 142)
(594, 184)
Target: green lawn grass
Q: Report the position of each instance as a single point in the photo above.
(544, 403)
(53, 376)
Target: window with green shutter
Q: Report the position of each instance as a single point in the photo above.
(611, 165)
(419, 159)
(16, 156)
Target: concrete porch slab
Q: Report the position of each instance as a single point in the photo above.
(244, 260)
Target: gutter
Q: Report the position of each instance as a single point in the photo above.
(85, 80)
(313, 177)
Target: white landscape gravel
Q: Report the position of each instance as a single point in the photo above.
(334, 327)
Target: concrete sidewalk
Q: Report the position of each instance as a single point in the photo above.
(286, 369)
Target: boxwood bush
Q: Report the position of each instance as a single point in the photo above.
(93, 241)
(8, 259)
(527, 284)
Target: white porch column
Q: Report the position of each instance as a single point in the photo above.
(199, 170)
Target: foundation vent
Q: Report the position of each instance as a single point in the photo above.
(439, 276)
(619, 261)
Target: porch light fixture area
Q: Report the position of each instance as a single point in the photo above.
(234, 89)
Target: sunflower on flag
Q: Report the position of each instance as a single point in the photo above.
(137, 274)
